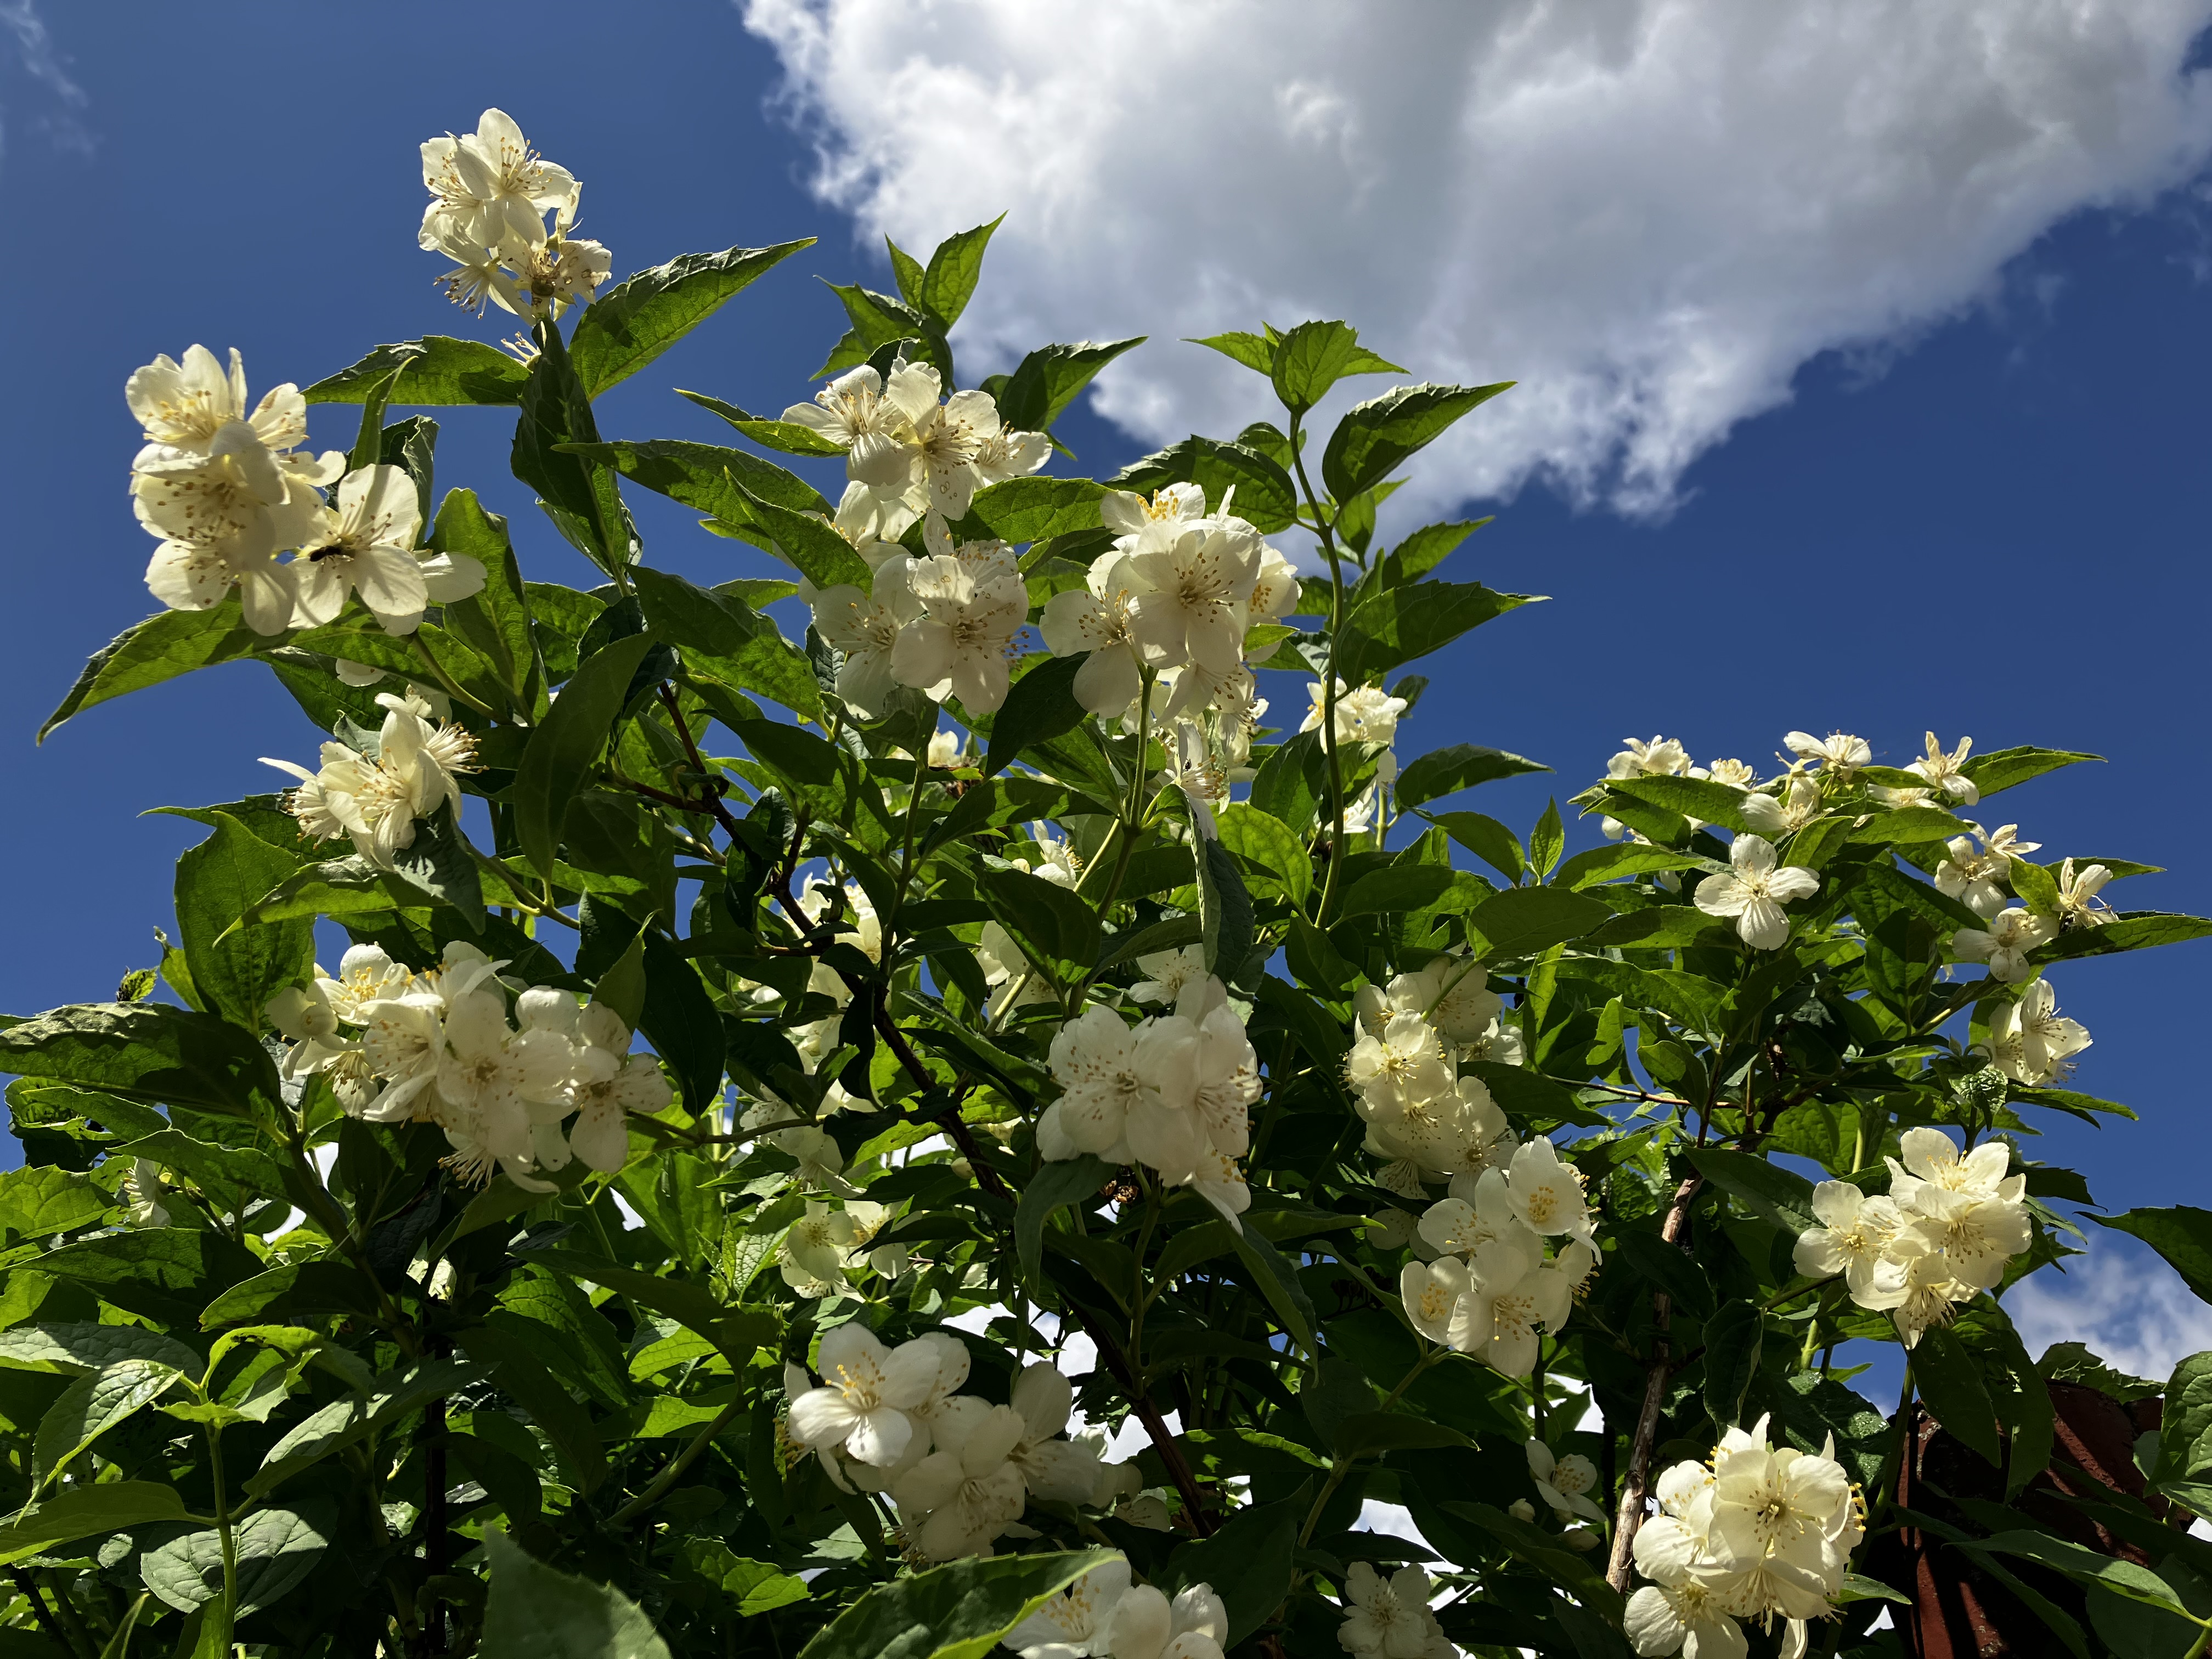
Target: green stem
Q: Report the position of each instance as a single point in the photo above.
(1144, 1291)
(222, 1525)
(438, 673)
(1328, 728)
(682, 1461)
(1342, 1466)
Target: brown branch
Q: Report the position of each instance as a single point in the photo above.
(1630, 1515)
(1109, 1351)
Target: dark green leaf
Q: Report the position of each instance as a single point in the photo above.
(954, 270)
(1770, 1192)
(1247, 1562)
(1040, 706)
(1404, 623)
(1523, 921)
(159, 648)
(635, 321)
(167, 1273)
(436, 370)
(1375, 437)
(789, 436)
(564, 749)
(1058, 930)
(1732, 1347)
(1312, 357)
(537, 1611)
(146, 1051)
(1265, 498)
(1050, 379)
(2182, 1236)
(2001, 768)
(1949, 1378)
(1053, 1186)
(954, 1611)
(1225, 908)
(1446, 771)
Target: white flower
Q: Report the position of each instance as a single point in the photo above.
(1073, 1622)
(959, 647)
(1545, 1195)
(2078, 904)
(1753, 892)
(853, 413)
(2028, 1040)
(960, 445)
(1565, 1483)
(1975, 1235)
(1928, 1291)
(1853, 1240)
(1197, 576)
(866, 629)
(1775, 1501)
(1431, 1293)
(866, 934)
(1943, 771)
(2005, 944)
(1145, 1625)
(1129, 515)
(1404, 1062)
(961, 1497)
(1511, 1296)
(1056, 1470)
(1363, 713)
(1797, 807)
(946, 749)
(368, 546)
(494, 1082)
(1452, 993)
(1733, 773)
(1932, 1158)
(376, 801)
(1660, 757)
(1121, 1088)
(608, 1083)
(1099, 618)
(140, 1190)
(197, 574)
(1838, 752)
(1227, 1081)
(1167, 972)
(866, 1389)
(490, 182)
(1389, 1618)
(1973, 876)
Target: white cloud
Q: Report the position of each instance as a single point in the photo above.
(35, 52)
(2130, 1307)
(1649, 212)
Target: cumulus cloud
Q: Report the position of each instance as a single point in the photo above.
(2130, 1307)
(1649, 212)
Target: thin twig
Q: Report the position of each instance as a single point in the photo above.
(1630, 1515)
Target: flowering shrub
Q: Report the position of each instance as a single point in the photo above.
(883, 1108)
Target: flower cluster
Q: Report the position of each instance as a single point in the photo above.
(376, 794)
(1174, 1092)
(825, 1247)
(1363, 714)
(1423, 1121)
(1389, 1617)
(961, 1470)
(440, 1046)
(1764, 1532)
(1490, 1289)
(1944, 1231)
(1101, 1615)
(490, 194)
(1752, 891)
(222, 481)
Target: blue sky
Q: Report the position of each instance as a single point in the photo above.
(1991, 522)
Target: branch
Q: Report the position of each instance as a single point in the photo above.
(1630, 1515)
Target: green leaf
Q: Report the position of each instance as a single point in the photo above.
(436, 370)
(1037, 509)
(396, 1394)
(811, 545)
(2141, 931)
(954, 269)
(1275, 861)
(164, 646)
(1541, 1550)
(789, 436)
(1312, 357)
(1446, 771)
(1487, 839)
(146, 1051)
(1255, 351)
(1225, 908)
(1695, 798)
(1604, 864)
(537, 1612)
(1775, 1195)
(2001, 768)
(1054, 1185)
(276, 1548)
(1278, 1283)
(1265, 497)
(496, 622)
(1733, 1337)
(1247, 1561)
(1040, 706)
(290, 1291)
(1395, 889)
(2184, 1444)
(1058, 930)
(2121, 1578)
(238, 969)
(562, 750)
(74, 1346)
(738, 1332)
(1651, 1258)
(1403, 623)
(88, 1513)
(553, 454)
(954, 1611)
(1374, 438)
(2181, 1235)
(1949, 1378)
(1523, 920)
(680, 1019)
(39, 1202)
(1365, 1434)
(1039, 391)
(91, 1406)
(635, 321)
